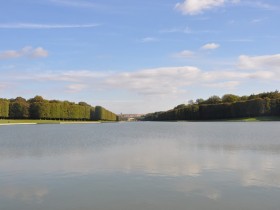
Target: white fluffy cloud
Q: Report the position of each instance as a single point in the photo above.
(174, 80)
(172, 85)
(158, 81)
(165, 81)
(31, 52)
(194, 7)
(265, 62)
(210, 46)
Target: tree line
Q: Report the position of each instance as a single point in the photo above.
(227, 107)
(39, 108)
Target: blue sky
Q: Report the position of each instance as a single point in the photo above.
(138, 56)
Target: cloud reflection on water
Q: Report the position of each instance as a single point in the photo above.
(205, 165)
(156, 158)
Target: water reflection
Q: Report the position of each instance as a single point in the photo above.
(184, 162)
(24, 193)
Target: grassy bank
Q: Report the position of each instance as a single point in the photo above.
(43, 122)
(255, 119)
(248, 119)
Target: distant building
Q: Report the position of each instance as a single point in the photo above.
(130, 117)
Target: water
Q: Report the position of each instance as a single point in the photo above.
(140, 166)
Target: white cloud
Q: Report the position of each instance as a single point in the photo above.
(39, 52)
(158, 81)
(45, 26)
(265, 62)
(168, 83)
(184, 54)
(165, 81)
(9, 54)
(24, 52)
(174, 80)
(210, 46)
(194, 7)
(235, 75)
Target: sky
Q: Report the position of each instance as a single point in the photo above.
(135, 56)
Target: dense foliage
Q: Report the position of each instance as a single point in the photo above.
(39, 108)
(227, 107)
(104, 114)
(4, 108)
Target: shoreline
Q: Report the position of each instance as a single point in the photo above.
(248, 119)
(18, 124)
(79, 122)
(43, 122)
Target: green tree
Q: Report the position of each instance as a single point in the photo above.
(199, 101)
(230, 98)
(213, 100)
(19, 108)
(4, 108)
(39, 108)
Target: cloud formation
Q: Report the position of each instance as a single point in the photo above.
(195, 7)
(30, 52)
(264, 62)
(158, 81)
(172, 85)
(175, 80)
(164, 81)
(210, 46)
(177, 156)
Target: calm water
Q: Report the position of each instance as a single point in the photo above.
(140, 166)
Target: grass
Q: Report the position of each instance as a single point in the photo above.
(8, 121)
(248, 119)
(256, 119)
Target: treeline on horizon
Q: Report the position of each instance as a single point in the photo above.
(39, 108)
(228, 107)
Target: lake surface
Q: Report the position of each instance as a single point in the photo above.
(141, 166)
